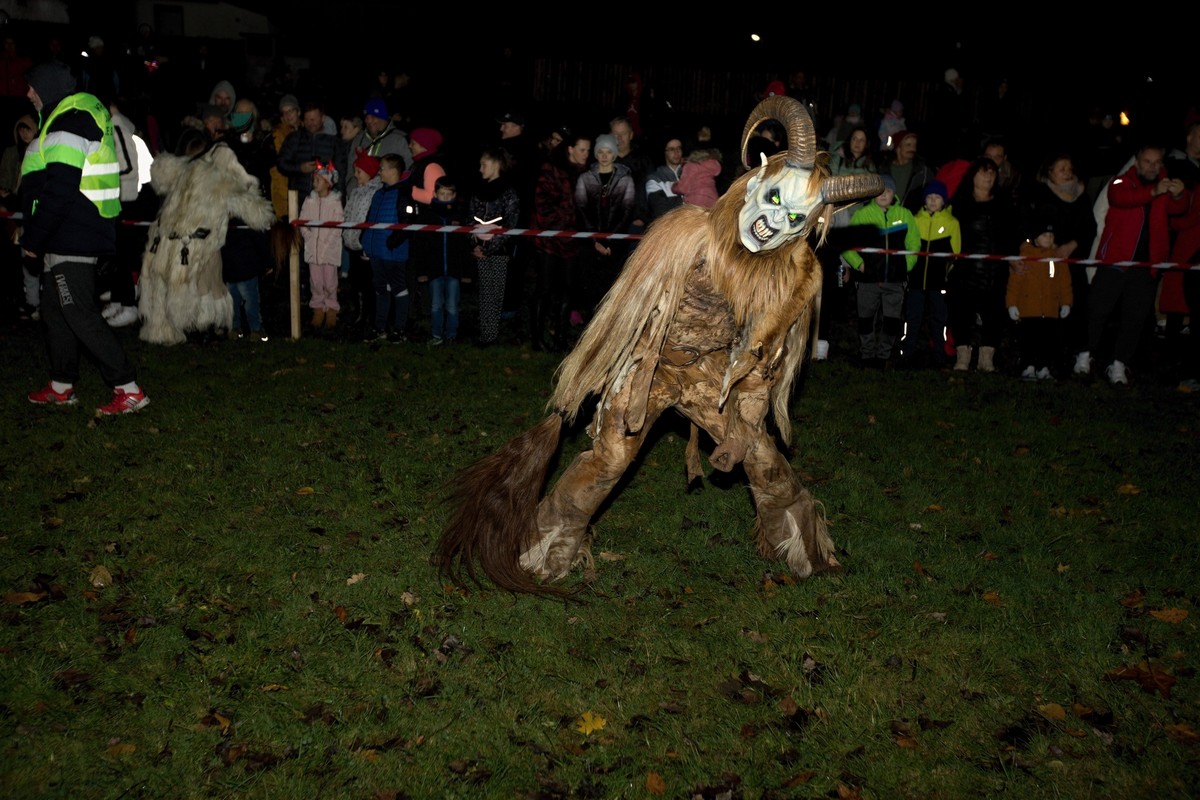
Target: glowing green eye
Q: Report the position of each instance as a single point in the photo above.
(795, 219)
(774, 198)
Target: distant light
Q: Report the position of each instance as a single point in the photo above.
(1124, 118)
(83, 53)
(754, 37)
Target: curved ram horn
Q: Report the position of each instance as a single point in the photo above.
(841, 188)
(802, 139)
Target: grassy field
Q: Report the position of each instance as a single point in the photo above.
(230, 594)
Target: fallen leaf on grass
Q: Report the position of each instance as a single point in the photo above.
(934, 507)
(607, 556)
(1171, 615)
(1181, 733)
(655, 784)
(799, 779)
(355, 578)
(1134, 599)
(68, 678)
(845, 792)
(1053, 711)
(987, 555)
(588, 723)
(1128, 488)
(991, 598)
(1151, 677)
(213, 720)
(1061, 568)
(119, 749)
(303, 490)
(273, 687)
(23, 598)
(902, 735)
(101, 577)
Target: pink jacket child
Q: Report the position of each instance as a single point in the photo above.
(698, 182)
(323, 246)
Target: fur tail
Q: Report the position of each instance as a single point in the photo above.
(495, 512)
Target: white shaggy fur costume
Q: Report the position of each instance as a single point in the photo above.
(181, 284)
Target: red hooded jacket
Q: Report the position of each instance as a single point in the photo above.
(1127, 196)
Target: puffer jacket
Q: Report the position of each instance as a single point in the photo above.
(322, 245)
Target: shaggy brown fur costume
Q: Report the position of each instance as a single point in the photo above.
(181, 285)
(695, 322)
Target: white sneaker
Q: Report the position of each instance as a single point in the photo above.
(1083, 363)
(1043, 374)
(1116, 373)
(1029, 373)
(126, 316)
(822, 351)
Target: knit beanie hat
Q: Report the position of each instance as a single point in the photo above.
(1043, 221)
(367, 163)
(889, 183)
(776, 89)
(428, 138)
(241, 121)
(288, 101)
(937, 187)
(52, 81)
(606, 141)
(328, 171)
(376, 108)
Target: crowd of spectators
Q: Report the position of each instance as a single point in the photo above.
(619, 170)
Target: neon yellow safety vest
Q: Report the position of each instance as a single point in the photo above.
(101, 178)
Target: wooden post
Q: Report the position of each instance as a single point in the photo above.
(294, 263)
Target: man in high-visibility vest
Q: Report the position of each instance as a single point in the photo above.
(70, 196)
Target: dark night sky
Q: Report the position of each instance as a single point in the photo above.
(1046, 54)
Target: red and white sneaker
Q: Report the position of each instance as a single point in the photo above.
(124, 402)
(46, 396)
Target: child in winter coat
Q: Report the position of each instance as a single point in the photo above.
(355, 262)
(323, 246)
(388, 249)
(880, 277)
(442, 260)
(697, 183)
(1039, 297)
(940, 233)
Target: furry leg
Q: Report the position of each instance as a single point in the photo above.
(564, 514)
(791, 523)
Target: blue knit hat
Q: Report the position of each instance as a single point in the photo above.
(376, 108)
(889, 183)
(937, 187)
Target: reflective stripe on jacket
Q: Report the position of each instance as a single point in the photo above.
(100, 179)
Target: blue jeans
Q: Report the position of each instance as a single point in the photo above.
(443, 297)
(245, 298)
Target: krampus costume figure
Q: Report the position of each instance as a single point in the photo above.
(181, 283)
(711, 316)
